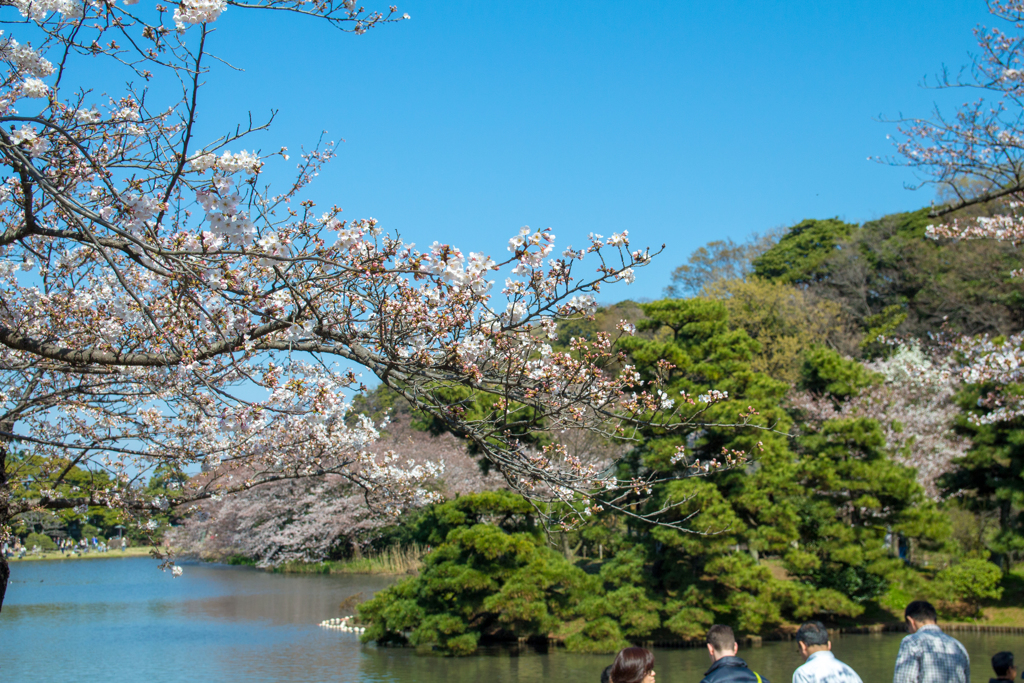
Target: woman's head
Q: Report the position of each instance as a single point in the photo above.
(633, 665)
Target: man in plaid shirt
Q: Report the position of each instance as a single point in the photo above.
(928, 655)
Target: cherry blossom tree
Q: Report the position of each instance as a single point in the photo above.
(296, 520)
(162, 305)
(306, 519)
(913, 403)
(974, 157)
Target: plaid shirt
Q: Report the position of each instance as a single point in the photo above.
(930, 656)
(823, 667)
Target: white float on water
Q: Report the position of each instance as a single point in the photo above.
(341, 624)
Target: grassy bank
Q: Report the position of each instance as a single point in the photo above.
(886, 612)
(392, 561)
(885, 615)
(139, 551)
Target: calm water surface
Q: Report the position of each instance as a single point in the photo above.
(123, 620)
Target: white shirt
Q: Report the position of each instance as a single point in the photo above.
(823, 667)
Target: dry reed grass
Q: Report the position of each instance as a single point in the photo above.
(390, 561)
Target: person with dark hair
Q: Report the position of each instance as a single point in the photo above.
(726, 667)
(928, 655)
(1002, 664)
(633, 665)
(820, 665)
(606, 675)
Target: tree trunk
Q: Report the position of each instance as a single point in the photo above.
(5, 513)
(5, 573)
(567, 550)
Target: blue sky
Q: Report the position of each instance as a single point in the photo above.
(682, 122)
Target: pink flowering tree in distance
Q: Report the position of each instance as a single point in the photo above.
(977, 157)
(913, 403)
(162, 306)
(305, 519)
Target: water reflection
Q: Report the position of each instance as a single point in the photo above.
(275, 598)
(123, 620)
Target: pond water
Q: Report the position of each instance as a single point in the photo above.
(123, 620)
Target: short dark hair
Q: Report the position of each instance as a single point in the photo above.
(631, 665)
(606, 675)
(920, 610)
(721, 638)
(1001, 662)
(813, 633)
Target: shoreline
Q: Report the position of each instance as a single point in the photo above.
(785, 633)
(839, 631)
(136, 551)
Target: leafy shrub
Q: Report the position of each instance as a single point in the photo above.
(971, 581)
(41, 540)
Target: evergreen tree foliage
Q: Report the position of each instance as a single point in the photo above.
(494, 579)
(826, 372)
(69, 522)
(800, 255)
(872, 269)
(990, 478)
(821, 504)
(799, 532)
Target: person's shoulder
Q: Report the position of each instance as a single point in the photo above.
(909, 639)
(948, 637)
(955, 640)
(848, 671)
(805, 671)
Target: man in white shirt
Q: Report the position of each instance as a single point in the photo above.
(820, 665)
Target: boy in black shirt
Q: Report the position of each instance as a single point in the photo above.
(1002, 664)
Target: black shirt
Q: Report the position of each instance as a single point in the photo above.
(731, 670)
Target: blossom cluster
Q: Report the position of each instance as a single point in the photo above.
(1005, 227)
